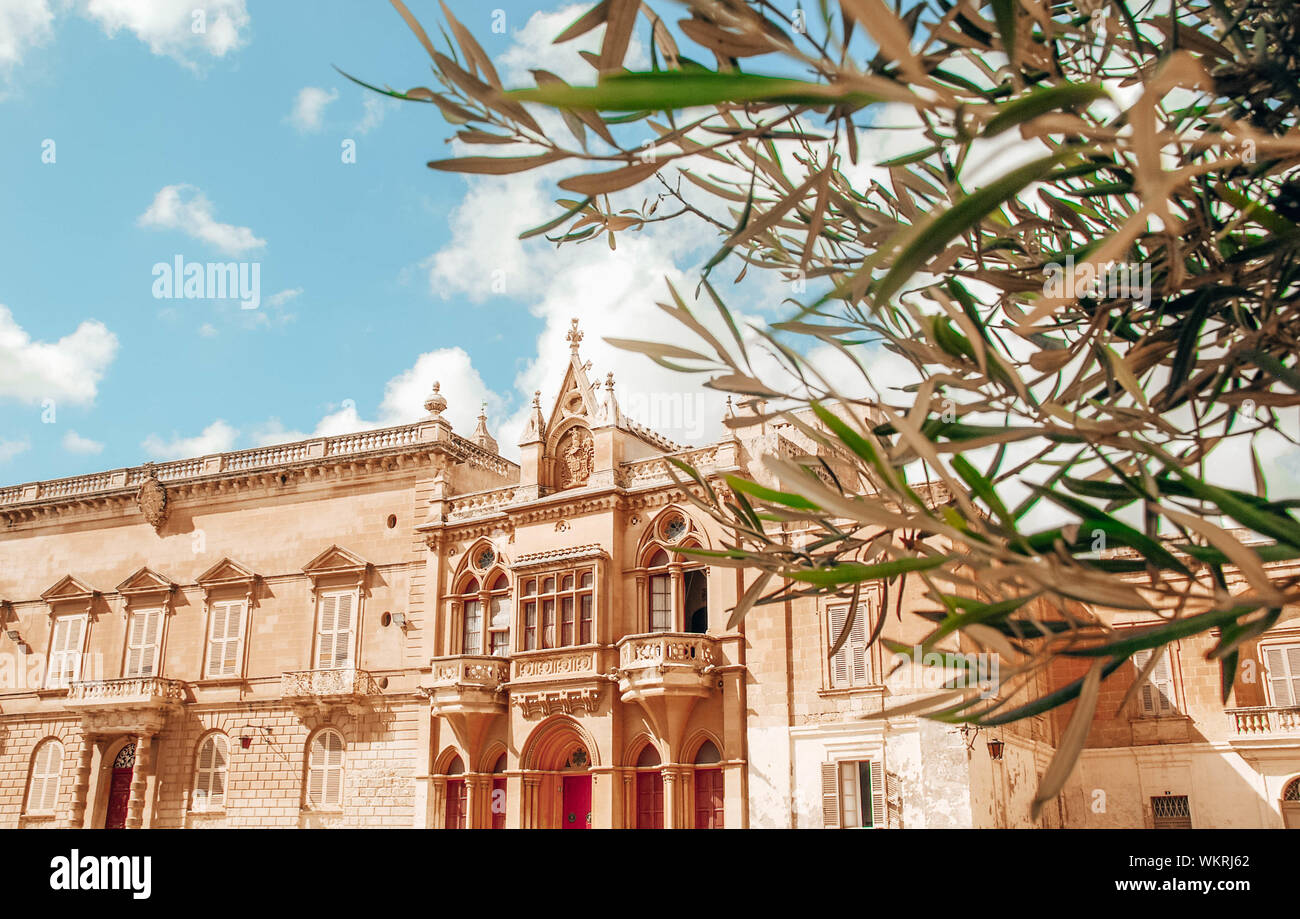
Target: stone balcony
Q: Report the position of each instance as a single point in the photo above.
(133, 705)
(1265, 722)
(324, 689)
(467, 684)
(666, 664)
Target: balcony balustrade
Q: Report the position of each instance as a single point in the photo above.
(326, 688)
(467, 684)
(133, 705)
(666, 664)
(1265, 721)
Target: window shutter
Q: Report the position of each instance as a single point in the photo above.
(135, 642)
(857, 645)
(142, 642)
(840, 662)
(893, 801)
(1282, 669)
(343, 639)
(325, 770)
(328, 625)
(203, 776)
(47, 764)
(217, 639)
(1292, 657)
(878, 781)
(830, 795)
(1163, 678)
(234, 634)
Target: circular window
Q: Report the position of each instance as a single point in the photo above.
(484, 559)
(385, 619)
(392, 521)
(674, 528)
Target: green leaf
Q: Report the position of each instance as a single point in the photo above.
(853, 572)
(1040, 102)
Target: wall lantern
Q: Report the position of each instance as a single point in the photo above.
(995, 749)
(245, 741)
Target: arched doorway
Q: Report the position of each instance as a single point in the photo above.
(558, 787)
(457, 797)
(1291, 804)
(575, 798)
(709, 795)
(498, 805)
(119, 788)
(649, 790)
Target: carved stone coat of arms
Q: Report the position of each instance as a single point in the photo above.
(152, 501)
(577, 458)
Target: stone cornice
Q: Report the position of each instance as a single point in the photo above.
(342, 457)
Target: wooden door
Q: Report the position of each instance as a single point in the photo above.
(708, 799)
(576, 814)
(649, 801)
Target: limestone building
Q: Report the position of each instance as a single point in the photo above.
(403, 628)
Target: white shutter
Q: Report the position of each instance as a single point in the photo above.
(65, 650)
(1157, 693)
(325, 640)
(894, 801)
(1282, 672)
(877, 774)
(830, 795)
(343, 638)
(142, 642)
(224, 638)
(857, 645)
(840, 661)
(325, 770)
(47, 767)
(210, 773)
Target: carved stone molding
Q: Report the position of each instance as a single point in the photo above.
(557, 702)
(152, 500)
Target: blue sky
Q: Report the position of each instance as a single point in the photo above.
(372, 273)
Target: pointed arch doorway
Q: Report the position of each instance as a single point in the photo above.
(119, 788)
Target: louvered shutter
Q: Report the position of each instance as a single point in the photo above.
(47, 768)
(1282, 667)
(65, 650)
(877, 775)
(203, 775)
(840, 662)
(315, 773)
(142, 642)
(857, 645)
(217, 639)
(328, 626)
(1157, 692)
(343, 638)
(220, 762)
(233, 635)
(325, 770)
(893, 801)
(830, 795)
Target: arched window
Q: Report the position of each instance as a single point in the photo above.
(649, 790)
(676, 596)
(661, 593)
(457, 796)
(325, 770)
(499, 794)
(1292, 791)
(708, 787)
(210, 773)
(490, 631)
(47, 768)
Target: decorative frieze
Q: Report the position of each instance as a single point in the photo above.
(557, 702)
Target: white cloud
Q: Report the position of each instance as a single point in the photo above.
(24, 24)
(11, 448)
(217, 437)
(75, 443)
(68, 370)
(185, 208)
(208, 330)
(533, 48)
(376, 108)
(309, 108)
(283, 297)
(173, 28)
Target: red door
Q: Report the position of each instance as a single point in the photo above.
(649, 801)
(708, 799)
(119, 794)
(498, 804)
(577, 803)
(455, 804)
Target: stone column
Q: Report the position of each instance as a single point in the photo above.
(629, 799)
(139, 781)
(438, 788)
(532, 786)
(672, 795)
(478, 801)
(81, 787)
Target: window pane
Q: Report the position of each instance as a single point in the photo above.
(586, 579)
(585, 627)
(548, 586)
(850, 810)
(473, 635)
(661, 611)
(566, 621)
(530, 626)
(548, 623)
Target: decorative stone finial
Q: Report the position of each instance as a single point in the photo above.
(537, 398)
(481, 435)
(609, 381)
(436, 404)
(574, 337)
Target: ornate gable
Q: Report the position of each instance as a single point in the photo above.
(226, 572)
(335, 561)
(69, 588)
(146, 581)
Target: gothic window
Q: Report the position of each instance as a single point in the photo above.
(485, 615)
(210, 772)
(47, 770)
(325, 770)
(499, 794)
(676, 597)
(559, 609)
(1292, 791)
(457, 796)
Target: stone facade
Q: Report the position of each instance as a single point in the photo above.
(402, 628)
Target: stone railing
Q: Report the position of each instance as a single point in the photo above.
(672, 649)
(469, 670)
(480, 503)
(1264, 720)
(658, 470)
(327, 684)
(127, 691)
(258, 458)
(556, 664)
